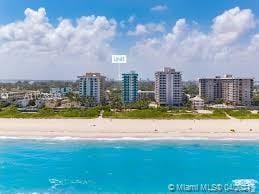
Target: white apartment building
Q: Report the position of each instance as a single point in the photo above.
(92, 85)
(229, 89)
(10, 95)
(168, 87)
(146, 95)
(197, 103)
(210, 89)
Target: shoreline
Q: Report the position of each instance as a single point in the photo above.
(103, 128)
(129, 139)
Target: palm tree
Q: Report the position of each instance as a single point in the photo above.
(88, 101)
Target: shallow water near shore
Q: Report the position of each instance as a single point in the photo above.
(53, 166)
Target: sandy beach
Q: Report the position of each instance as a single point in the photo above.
(122, 128)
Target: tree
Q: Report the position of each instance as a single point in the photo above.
(31, 103)
(192, 90)
(146, 85)
(4, 104)
(115, 99)
(255, 99)
(140, 104)
(88, 101)
(73, 97)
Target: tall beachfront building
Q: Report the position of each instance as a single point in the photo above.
(168, 87)
(92, 85)
(229, 89)
(129, 87)
(210, 89)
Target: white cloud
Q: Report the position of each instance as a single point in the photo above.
(142, 29)
(232, 24)
(156, 27)
(227, 48)
(180, 26)
(40, 50)
(178, 30)
(159, 8)
(35, 48)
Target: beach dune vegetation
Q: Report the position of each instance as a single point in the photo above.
(13, 112)
(163, 113)
(243, 114)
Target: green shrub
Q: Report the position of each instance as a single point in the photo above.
(85, 113)
(162, 114)
(242, 114)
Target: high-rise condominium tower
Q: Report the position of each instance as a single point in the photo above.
(92, 85)
(229, 89)
(168, 87)
(129, 87)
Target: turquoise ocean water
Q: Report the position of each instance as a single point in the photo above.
(52, 166)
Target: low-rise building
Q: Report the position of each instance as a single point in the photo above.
(53, 103)
(197, 103)
(32, 95)
(19, 95)
(60, 91)
(13, 95)
(146, 95)
(66, 103)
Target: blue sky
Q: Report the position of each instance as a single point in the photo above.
(198, 16)
(197, 10)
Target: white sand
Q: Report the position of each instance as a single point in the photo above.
(119, 128)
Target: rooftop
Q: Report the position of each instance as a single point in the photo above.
(228, 76)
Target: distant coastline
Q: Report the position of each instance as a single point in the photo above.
(232, 129)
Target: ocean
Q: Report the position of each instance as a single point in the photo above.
(128, 166)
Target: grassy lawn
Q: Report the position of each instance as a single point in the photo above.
(12, 112)
(242, 114)
(161, 114)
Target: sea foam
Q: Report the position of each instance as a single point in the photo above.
(69, 138)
